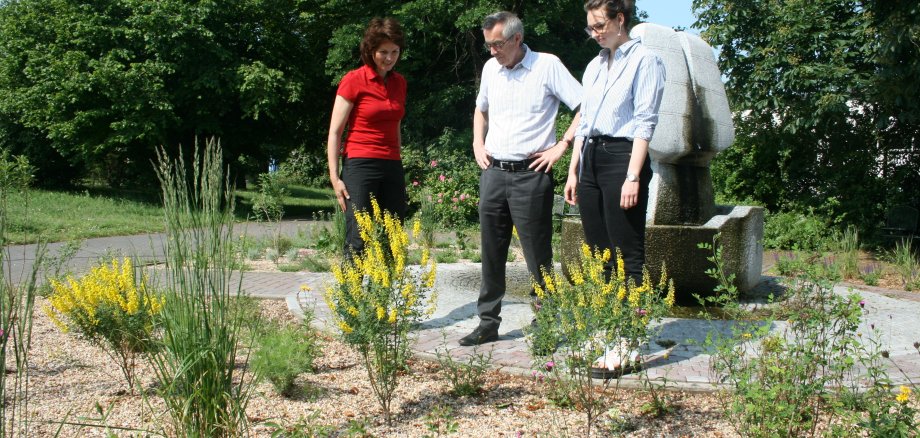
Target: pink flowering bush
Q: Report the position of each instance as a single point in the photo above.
(447, 193)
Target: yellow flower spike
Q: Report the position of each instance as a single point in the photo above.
(669, 298)
(550, 284)
(585, 250)
(381, 312)
(430, 277)
(52, 315)
(392, 316)
(514, 232)
(305, 288)
(345, 327)
(605, 257)
(903, 394)
(538, 290)
(375, 209)
(577, 278)
(353, 311)
(621, 266)
(607, 288)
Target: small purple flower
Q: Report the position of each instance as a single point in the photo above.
(641, 312)
(862, 303)
(549, 366)
(434, 163)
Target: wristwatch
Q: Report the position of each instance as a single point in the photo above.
(632, 177)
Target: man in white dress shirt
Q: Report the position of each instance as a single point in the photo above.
(515, 145)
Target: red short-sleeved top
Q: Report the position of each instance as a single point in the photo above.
(374, 120)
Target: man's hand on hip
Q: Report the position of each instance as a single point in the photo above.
(543, 161)
(482, 157)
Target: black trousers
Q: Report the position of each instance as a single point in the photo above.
(365, 177)
(606, 224)
(523, 199)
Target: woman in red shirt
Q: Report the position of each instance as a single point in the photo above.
(371, 102)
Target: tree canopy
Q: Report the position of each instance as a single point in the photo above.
(824, 119)
(98, 85)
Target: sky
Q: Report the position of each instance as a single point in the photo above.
(669, 13)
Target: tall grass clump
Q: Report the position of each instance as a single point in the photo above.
(905, 263)
(376, 298)
(848, 247)
(17, 302)
(205, 393)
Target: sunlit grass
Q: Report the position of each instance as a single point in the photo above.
(62, 216)
(59, 216)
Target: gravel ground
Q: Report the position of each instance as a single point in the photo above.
(69, 378)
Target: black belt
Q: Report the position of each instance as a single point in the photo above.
(606, 139)
(513, 166)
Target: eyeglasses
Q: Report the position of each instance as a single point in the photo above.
(497, 45)
(596, 27)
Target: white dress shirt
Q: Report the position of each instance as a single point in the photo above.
(622, 100)
(521, 103)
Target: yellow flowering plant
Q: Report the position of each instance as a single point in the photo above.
(110, 308)
(376, 298)
(589, 314)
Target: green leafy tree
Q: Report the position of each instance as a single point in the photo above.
(104, 83)
(814, 128)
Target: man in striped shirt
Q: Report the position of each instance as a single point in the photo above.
(514, 144)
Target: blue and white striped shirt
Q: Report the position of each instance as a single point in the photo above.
(622, 100)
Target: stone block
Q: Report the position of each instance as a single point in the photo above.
(680, 195)
(676, 247)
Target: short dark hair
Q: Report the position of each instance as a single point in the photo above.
(379, 31)
(614, 7)
(510, 20)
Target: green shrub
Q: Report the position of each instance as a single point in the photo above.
(448, 194)
(588, 316)
(466, 377)
(796, 231)
(282, 353)
(780, 382)
(268, 204)
(376, 299)
(110, 308)
(304, 427)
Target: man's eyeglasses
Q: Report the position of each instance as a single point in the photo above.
(497, 45)
(596, 27)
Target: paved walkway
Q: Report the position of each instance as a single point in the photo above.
(894, 314)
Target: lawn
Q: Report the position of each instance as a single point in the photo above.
(59, 216)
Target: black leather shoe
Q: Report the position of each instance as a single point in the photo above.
(479, 336)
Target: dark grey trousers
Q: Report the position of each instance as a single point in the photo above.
(523, 199)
